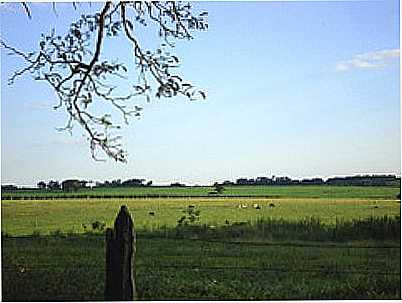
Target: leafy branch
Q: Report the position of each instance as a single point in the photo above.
(72, 65)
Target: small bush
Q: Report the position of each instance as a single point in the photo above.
(188, 223)
(191, 217)
(98, 226)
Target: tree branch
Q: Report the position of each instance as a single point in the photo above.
(73, 69)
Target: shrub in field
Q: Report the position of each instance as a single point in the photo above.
(219, 188)
(189, 222)
(98, 226)
(191, 216)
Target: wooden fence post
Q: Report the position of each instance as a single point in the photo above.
(120, 254)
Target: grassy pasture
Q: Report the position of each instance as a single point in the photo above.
(46, 216)
(298, 191)
(72, 268)
(50, 256)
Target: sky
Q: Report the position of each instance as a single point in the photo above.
(298, 89)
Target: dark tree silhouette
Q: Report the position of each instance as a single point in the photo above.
(73, 67)
(53, 185)
(219, 188)
(41, 185)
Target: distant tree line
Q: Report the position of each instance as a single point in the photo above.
(75, 184)
(126, 183)
(366, 180)
(66, 185)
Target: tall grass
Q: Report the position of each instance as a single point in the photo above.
(227, 264)
(57, 268)
(308, 229)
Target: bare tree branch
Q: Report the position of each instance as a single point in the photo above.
(27, 9)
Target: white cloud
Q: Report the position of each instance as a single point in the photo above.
(377, 59)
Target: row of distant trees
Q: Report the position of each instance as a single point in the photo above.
(126, 183)
(365, 180)
(74, 184)
(66, 185)
(132, 183)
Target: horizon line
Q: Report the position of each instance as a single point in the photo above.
(190, 183)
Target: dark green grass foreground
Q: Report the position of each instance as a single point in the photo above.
(264, 260)
(277, 191)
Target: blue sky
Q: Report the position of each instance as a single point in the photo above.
(301, 89)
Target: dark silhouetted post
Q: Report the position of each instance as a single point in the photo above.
(120, 253)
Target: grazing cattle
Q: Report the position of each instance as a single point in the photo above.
(151, 213)
(242, 206)
(256, 206)
(271, 205)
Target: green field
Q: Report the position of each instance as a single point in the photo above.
(72, 268)
(297, 191)
(302, 248)
(46, 216)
